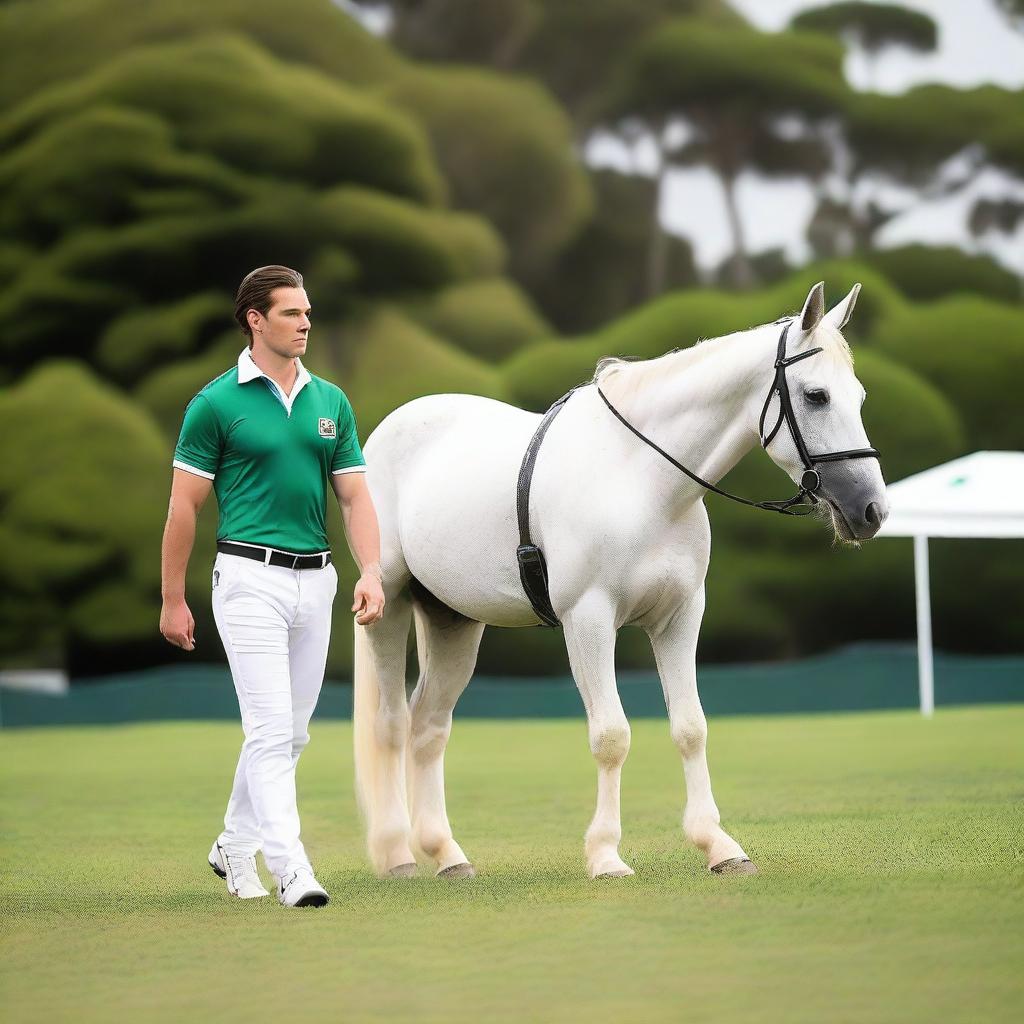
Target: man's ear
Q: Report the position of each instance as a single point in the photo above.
(839, 316)
(814, 308)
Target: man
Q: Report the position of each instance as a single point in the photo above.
(267, 436)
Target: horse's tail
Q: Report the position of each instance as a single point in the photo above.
(379, 769)
(365, 699)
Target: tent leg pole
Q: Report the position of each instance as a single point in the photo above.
(925, 674)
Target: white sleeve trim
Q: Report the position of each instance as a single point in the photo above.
(350, 469)
(178, 464)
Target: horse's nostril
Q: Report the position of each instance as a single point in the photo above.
(873, 514)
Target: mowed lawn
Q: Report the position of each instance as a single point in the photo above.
(891, 856)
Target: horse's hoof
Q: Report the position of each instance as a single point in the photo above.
(734, 866)
(613, 869)
(464, 870)
(402, 871)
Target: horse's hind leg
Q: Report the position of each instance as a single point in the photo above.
(675, 650)
(589, 629)
(447, 645)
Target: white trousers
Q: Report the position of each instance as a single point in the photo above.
(275, 625)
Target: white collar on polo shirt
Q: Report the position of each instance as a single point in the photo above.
(248, 370)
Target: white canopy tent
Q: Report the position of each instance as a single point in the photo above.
(979, 495)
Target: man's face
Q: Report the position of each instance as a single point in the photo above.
(286, 325)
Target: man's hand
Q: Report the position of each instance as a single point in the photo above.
(177, 625)
(368, 599)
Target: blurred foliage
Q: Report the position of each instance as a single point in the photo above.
(453, 241)
(873, 26)
(504, 146)
(50, 41)
(540, 373)
(969, 347)
(389, 360)
(474, 123)
(218, 94)
(567, 45)
(747, 73)
(904, 134)
(83, 487)
(605, 268)
(925, 272)
(490, 318)
(733, 86)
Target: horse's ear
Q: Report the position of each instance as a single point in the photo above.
(814, 307)
(839, 316)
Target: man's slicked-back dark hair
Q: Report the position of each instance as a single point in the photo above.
(254, 292)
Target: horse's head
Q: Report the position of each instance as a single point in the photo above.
(819, 440)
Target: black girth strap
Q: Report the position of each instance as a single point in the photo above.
(533, 570)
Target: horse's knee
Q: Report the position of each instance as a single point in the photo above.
(391, 728)
(610, 744)
(690, 735)
(429, 735)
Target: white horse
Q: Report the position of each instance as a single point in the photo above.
(626, 539)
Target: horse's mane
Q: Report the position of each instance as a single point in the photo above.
(625, 374)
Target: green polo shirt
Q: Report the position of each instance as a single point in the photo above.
(269, 454)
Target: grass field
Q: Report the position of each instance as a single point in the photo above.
(891, 855)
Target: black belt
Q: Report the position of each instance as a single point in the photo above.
(277, 557)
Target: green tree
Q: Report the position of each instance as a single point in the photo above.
(189, 191)
(739, 92)
(901, 139)
(932, 272)
(871, 27)
(481, 126)
(48, 41)
(505, 148)
(572, 47)
(83, 487)
(603, 271)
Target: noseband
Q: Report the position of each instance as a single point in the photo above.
(801, 502)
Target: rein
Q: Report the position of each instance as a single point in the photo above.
(801, 503)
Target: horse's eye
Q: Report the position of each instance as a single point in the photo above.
(817, 396)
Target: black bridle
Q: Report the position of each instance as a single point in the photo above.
(799, 504)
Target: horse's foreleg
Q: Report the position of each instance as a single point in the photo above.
(675, 650)
(447, 649)
(589, 630)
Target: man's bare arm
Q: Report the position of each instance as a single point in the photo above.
(188, 495)
(361, 529)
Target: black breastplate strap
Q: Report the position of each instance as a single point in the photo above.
(533, 570)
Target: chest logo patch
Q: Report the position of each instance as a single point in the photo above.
(328, 428)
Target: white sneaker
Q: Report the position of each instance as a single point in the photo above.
(238, 871)
(300, 889)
